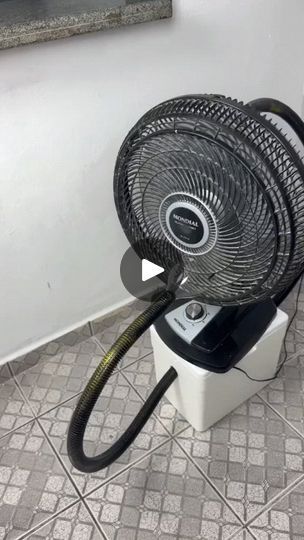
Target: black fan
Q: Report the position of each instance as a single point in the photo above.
(212, 191)
(209, 182)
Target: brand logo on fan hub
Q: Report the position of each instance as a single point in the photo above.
(185, 220)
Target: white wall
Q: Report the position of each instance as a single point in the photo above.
(65, 107)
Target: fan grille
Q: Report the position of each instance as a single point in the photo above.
(203, 180)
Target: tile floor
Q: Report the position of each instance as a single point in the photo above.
(243, 479)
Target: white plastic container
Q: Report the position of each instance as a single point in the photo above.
(203, 397)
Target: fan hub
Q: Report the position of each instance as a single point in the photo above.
(188, 223)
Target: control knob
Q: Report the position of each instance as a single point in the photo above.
(194, 311)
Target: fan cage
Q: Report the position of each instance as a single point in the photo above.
(247, 180)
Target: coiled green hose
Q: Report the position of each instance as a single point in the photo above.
(96, 384)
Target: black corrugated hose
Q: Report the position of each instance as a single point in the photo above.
(93, 389)
(274, 106)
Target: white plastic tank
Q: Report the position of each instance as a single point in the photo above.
(204, 397)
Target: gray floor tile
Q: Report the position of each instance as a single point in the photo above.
(295, 301)
(285, 520)
(294, 343)
(286, 393)
(72, 524)
(165, 497)
(251, 456)
(14, 412)
(57, 371)
(112, 414)
(293, 306)
(299, 318)
(108, 328)
(298, 323)
(141, 375)
(33, 484)
(292, 347)
(243, 535)
(289, 305)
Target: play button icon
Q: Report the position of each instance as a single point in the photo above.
(143, 276)
(150, 270)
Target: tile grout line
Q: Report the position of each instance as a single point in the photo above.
(21, 391)
(236, 533)
(301, 332)
(69, 475)
(154, 413)
(293, 356)
(274, 500)
(262, 510)
(172, 437)
(209, 481)
(63, 402)
(293, 428)
(23, 536)
(95, 520)
(295, 329)
(39, 415)
(91, 328)
(25, 400)
(17, 428)
(43, 413)
(140, 458)
(134, 362)
(106, 481)
(58, 405)
(81, 497)
(252, 534)
(47, 411)
(59, 458)
(98, 342)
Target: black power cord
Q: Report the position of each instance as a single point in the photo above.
(284, 343)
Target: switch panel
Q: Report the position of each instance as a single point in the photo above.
(189, 319)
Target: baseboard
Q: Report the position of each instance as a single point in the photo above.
(51, 337)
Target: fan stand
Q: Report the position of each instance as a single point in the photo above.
(218, 339)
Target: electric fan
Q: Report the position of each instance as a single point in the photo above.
(212, 191)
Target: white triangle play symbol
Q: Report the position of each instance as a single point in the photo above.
(149, 269)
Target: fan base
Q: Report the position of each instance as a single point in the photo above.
(230, 333)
